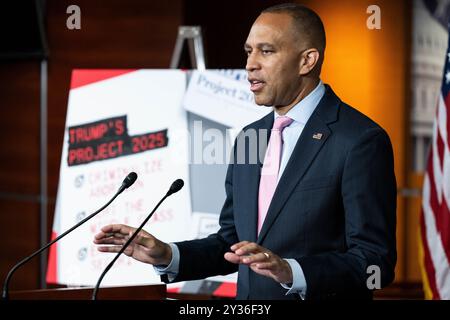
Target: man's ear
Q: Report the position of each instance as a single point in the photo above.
(308, 61)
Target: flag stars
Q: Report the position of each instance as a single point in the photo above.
(447, 77)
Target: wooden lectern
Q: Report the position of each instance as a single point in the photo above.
(149, 292)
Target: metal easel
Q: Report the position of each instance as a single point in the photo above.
(193, 35)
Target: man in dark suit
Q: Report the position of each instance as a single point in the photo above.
(309, 218)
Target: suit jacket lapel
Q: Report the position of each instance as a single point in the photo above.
(302, 156)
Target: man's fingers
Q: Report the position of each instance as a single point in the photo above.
(108, 236)
(238, 245)
(259, 257)
(113, 231)
(265, 265)
(117, 228)
(233, 258)
(248, 260)
(114, 249)
(109, 248)
(248, 248)
(102, 235)
(110, 241)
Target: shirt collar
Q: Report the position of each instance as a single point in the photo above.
(302, 111)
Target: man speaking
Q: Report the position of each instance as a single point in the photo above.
(319, 210)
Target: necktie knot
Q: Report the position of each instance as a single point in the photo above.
(281, 123)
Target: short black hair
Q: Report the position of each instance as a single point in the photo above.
(307, 22)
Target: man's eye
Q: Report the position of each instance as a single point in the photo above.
(248, 52)
(266, 52)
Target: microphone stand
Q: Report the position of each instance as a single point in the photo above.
(129, 180)
(95, 292)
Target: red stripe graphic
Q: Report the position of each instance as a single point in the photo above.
(173, 290)
(52, 267)
(83, 77)
(226, 289)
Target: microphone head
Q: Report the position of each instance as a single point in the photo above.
(129, 180)
(176, 186)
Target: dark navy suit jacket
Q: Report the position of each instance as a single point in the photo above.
(334, 210)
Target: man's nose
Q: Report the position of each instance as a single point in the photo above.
(252, 63)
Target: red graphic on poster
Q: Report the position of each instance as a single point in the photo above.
(107, 139)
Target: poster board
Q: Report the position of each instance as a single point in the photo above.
(142, 120)
(119, 121)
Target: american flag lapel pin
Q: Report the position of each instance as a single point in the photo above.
(317, 136)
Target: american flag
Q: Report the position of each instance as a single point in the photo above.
(434, 241)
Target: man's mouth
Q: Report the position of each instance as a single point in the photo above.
(256, 85)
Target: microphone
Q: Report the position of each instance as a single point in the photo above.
(127, 182)
(175, 187)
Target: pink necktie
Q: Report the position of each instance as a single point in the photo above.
(271, 166)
